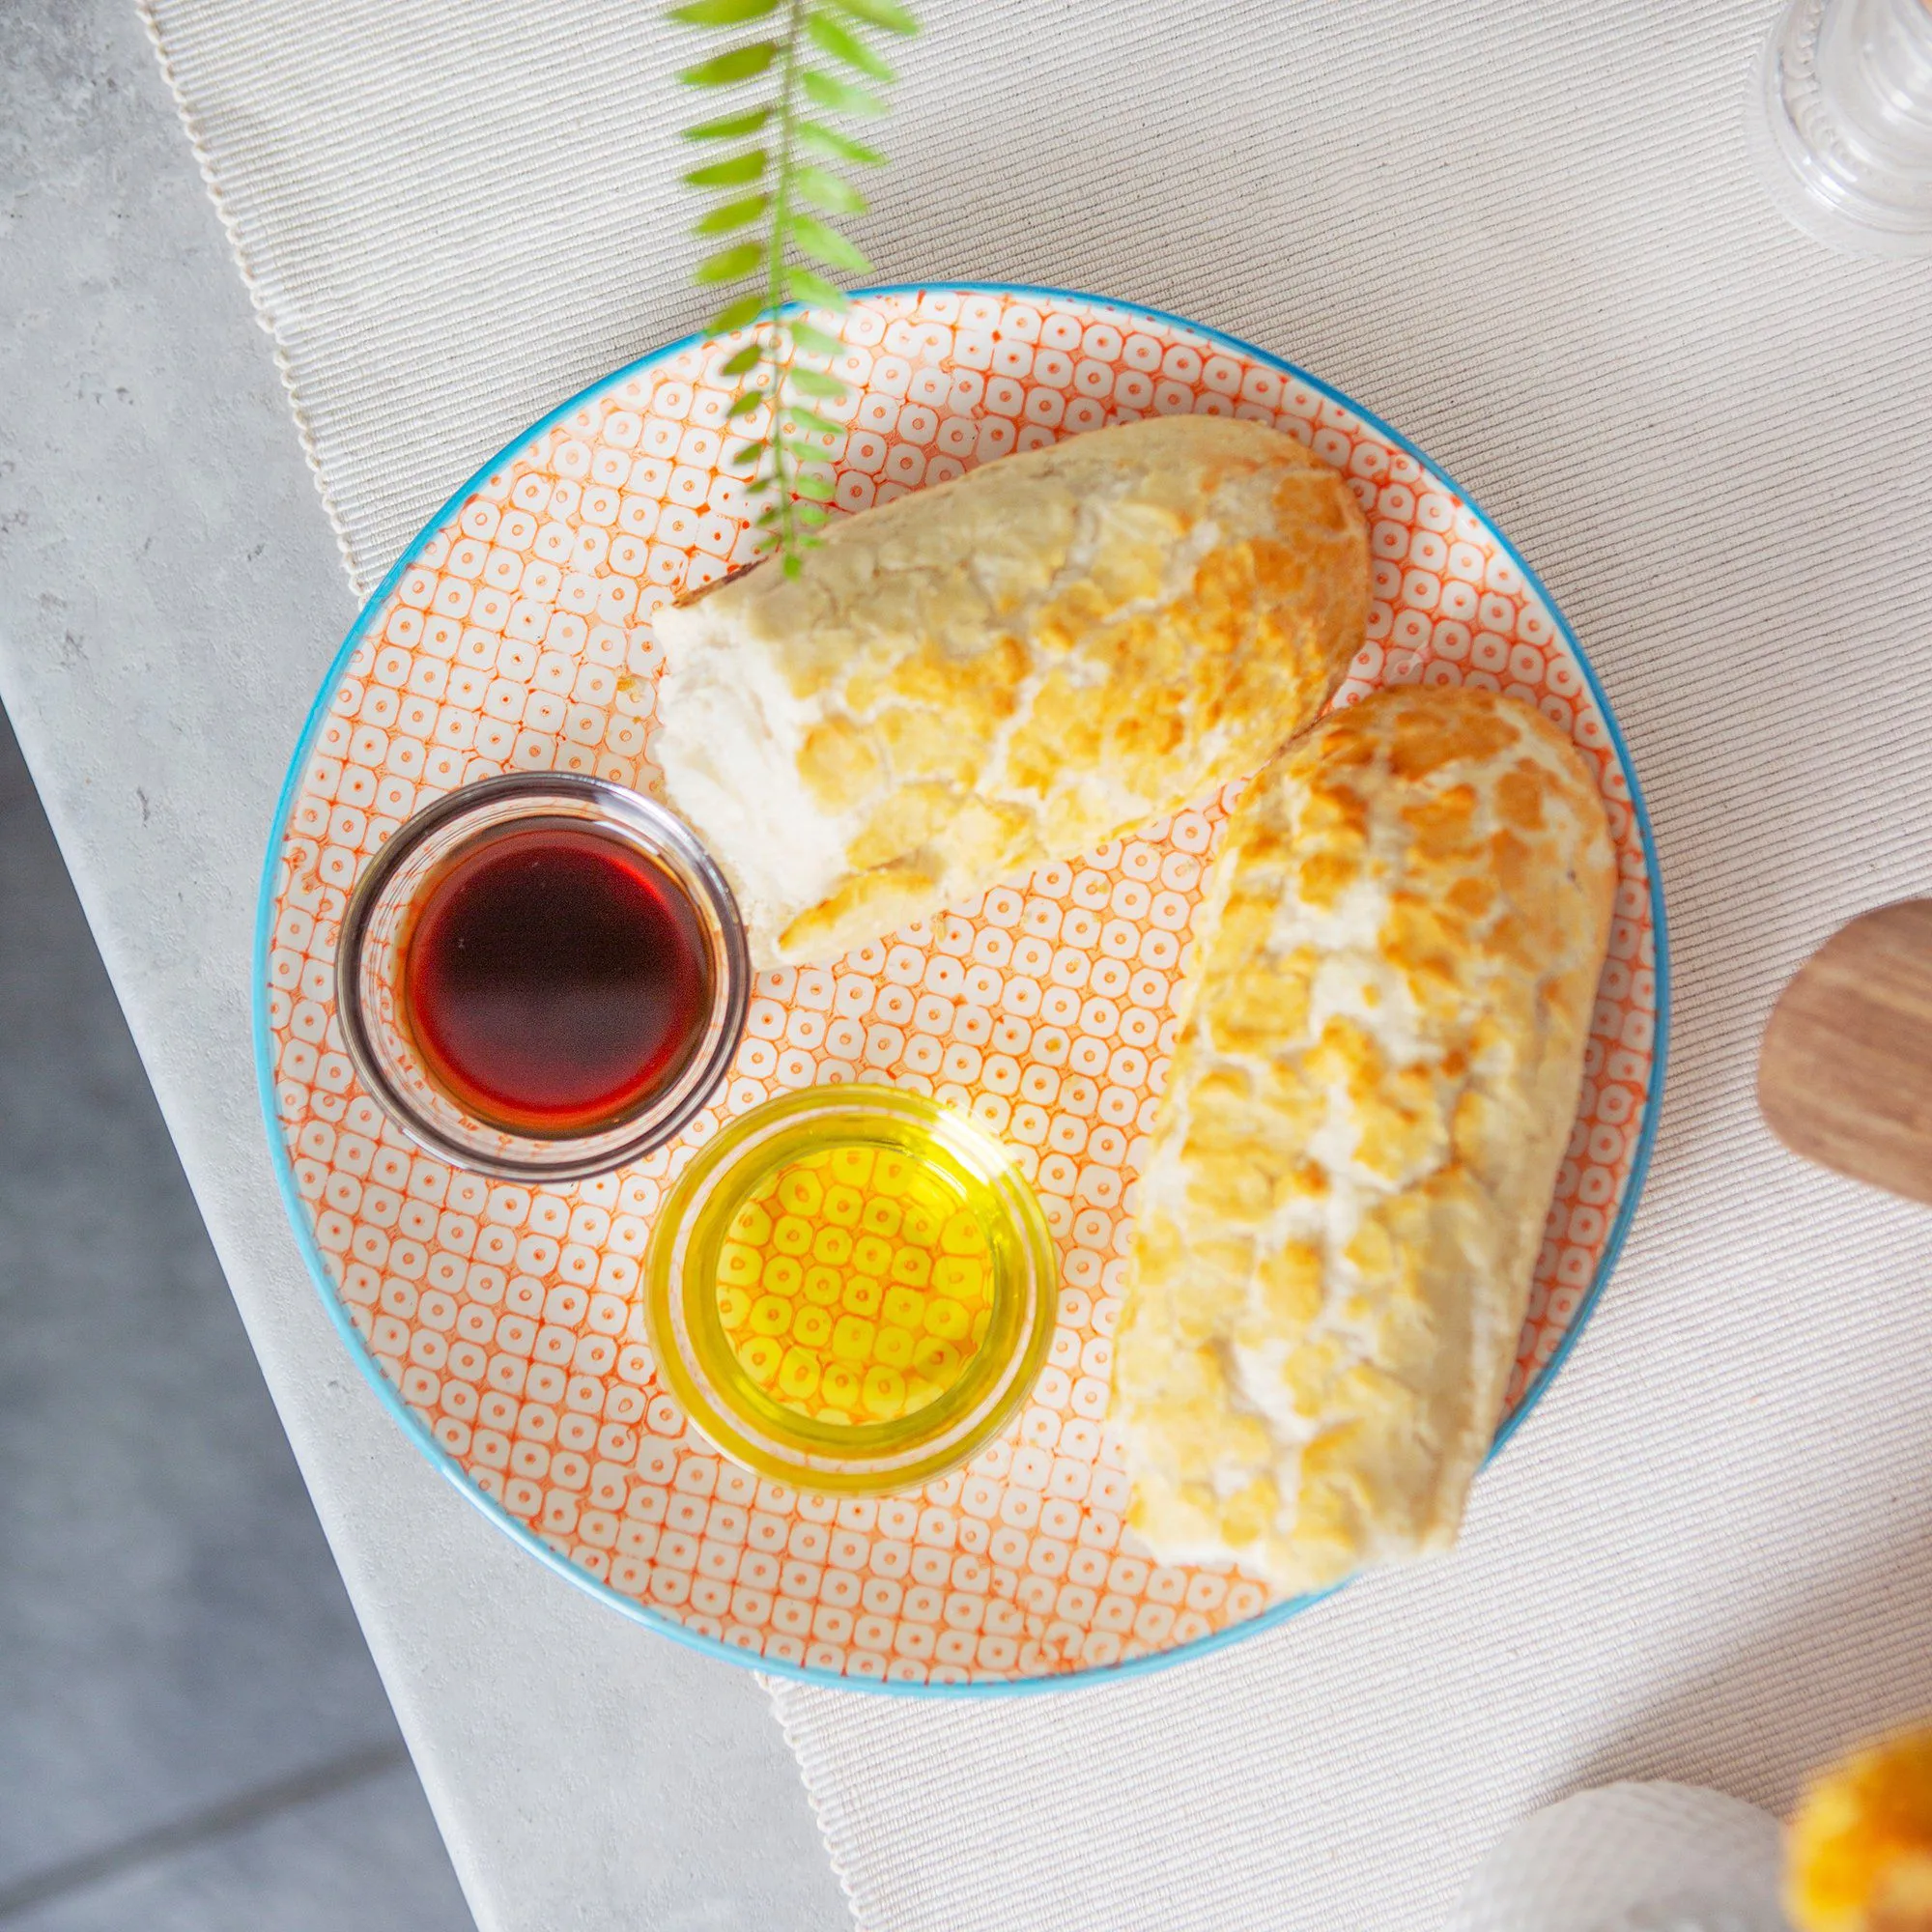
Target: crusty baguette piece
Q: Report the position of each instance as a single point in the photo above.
(1356, 1152)
(1005, 668)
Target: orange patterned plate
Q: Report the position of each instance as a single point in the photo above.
(502, 1323)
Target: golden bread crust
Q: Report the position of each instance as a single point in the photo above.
(1356, 1152)
(1007, 668)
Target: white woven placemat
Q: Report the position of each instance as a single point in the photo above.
(1525, 234)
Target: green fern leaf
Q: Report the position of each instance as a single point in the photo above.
(721, 13)
(820, 190)
(814, 341)
(812, 236)
(727, 69)
(828, 141)
(734, 173)
(842, 43)
(733, 214)
(740, 314)
(731, 126)
(840, 96)
(886, 13)
(802, 285)
(811, 383)
(729, 265)
(811, 421)
(782, 365)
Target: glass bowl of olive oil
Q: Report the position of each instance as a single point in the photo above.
(851, 1289)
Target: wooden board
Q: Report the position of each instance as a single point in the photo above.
(1845, 1071)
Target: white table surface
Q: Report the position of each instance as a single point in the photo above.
(169, 597)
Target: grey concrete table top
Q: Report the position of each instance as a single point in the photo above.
(169, 597)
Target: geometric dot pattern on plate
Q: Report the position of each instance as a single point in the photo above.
(504, 1322)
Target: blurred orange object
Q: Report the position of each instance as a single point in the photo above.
(1859, 1852)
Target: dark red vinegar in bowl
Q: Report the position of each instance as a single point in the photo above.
(555, 979)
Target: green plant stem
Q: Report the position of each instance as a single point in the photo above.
(781, 347)
(796, 197)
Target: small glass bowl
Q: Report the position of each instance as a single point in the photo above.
(851, 1289)
(373, 951)
(1839, 122)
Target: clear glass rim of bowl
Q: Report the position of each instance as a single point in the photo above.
(742, 1423)
(1837, 122)
(378, 1042)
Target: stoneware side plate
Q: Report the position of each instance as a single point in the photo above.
(502, 1323)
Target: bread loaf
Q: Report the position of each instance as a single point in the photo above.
(1354, 1155)
(1005, 668)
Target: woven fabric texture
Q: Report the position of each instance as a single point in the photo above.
(1528, 236)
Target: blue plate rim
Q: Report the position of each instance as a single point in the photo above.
(520, 1532)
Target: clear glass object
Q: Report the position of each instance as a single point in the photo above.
(851, 1289)
(1840, 123)
(372, 958)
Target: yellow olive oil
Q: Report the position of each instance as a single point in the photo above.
(851, 1288)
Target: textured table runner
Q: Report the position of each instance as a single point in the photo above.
(1526, 235)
